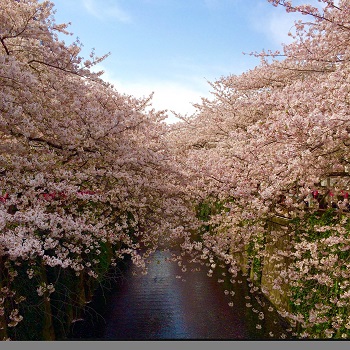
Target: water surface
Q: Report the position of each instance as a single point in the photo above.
(168, 303)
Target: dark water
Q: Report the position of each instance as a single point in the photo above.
(168, 303)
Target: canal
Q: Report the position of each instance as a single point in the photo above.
(171, 302)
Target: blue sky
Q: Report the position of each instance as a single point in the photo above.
(173, 47)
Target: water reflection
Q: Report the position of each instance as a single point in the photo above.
(168, 303)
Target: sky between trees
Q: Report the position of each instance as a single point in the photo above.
(174, 47)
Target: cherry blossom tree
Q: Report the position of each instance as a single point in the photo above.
(263, 146)
(86, 177)
(90, 176)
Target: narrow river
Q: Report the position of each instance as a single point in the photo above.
(168, 303)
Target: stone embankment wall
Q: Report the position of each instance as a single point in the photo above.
(268, 266)
(275, 262)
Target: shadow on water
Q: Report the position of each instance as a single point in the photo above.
(168, 303)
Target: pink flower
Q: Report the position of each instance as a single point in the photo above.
(4, 198)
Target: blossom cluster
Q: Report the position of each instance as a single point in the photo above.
(273, 143)
(85, 172)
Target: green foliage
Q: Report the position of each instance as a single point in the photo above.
(210, 207)
(49, 316)
(31, 326)
(205, 210)
(323, 306)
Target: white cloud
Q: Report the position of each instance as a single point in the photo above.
(276, 23)
(273, 22)
(168, 95)
(106, 9)
(278, 27)
(171, 96)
